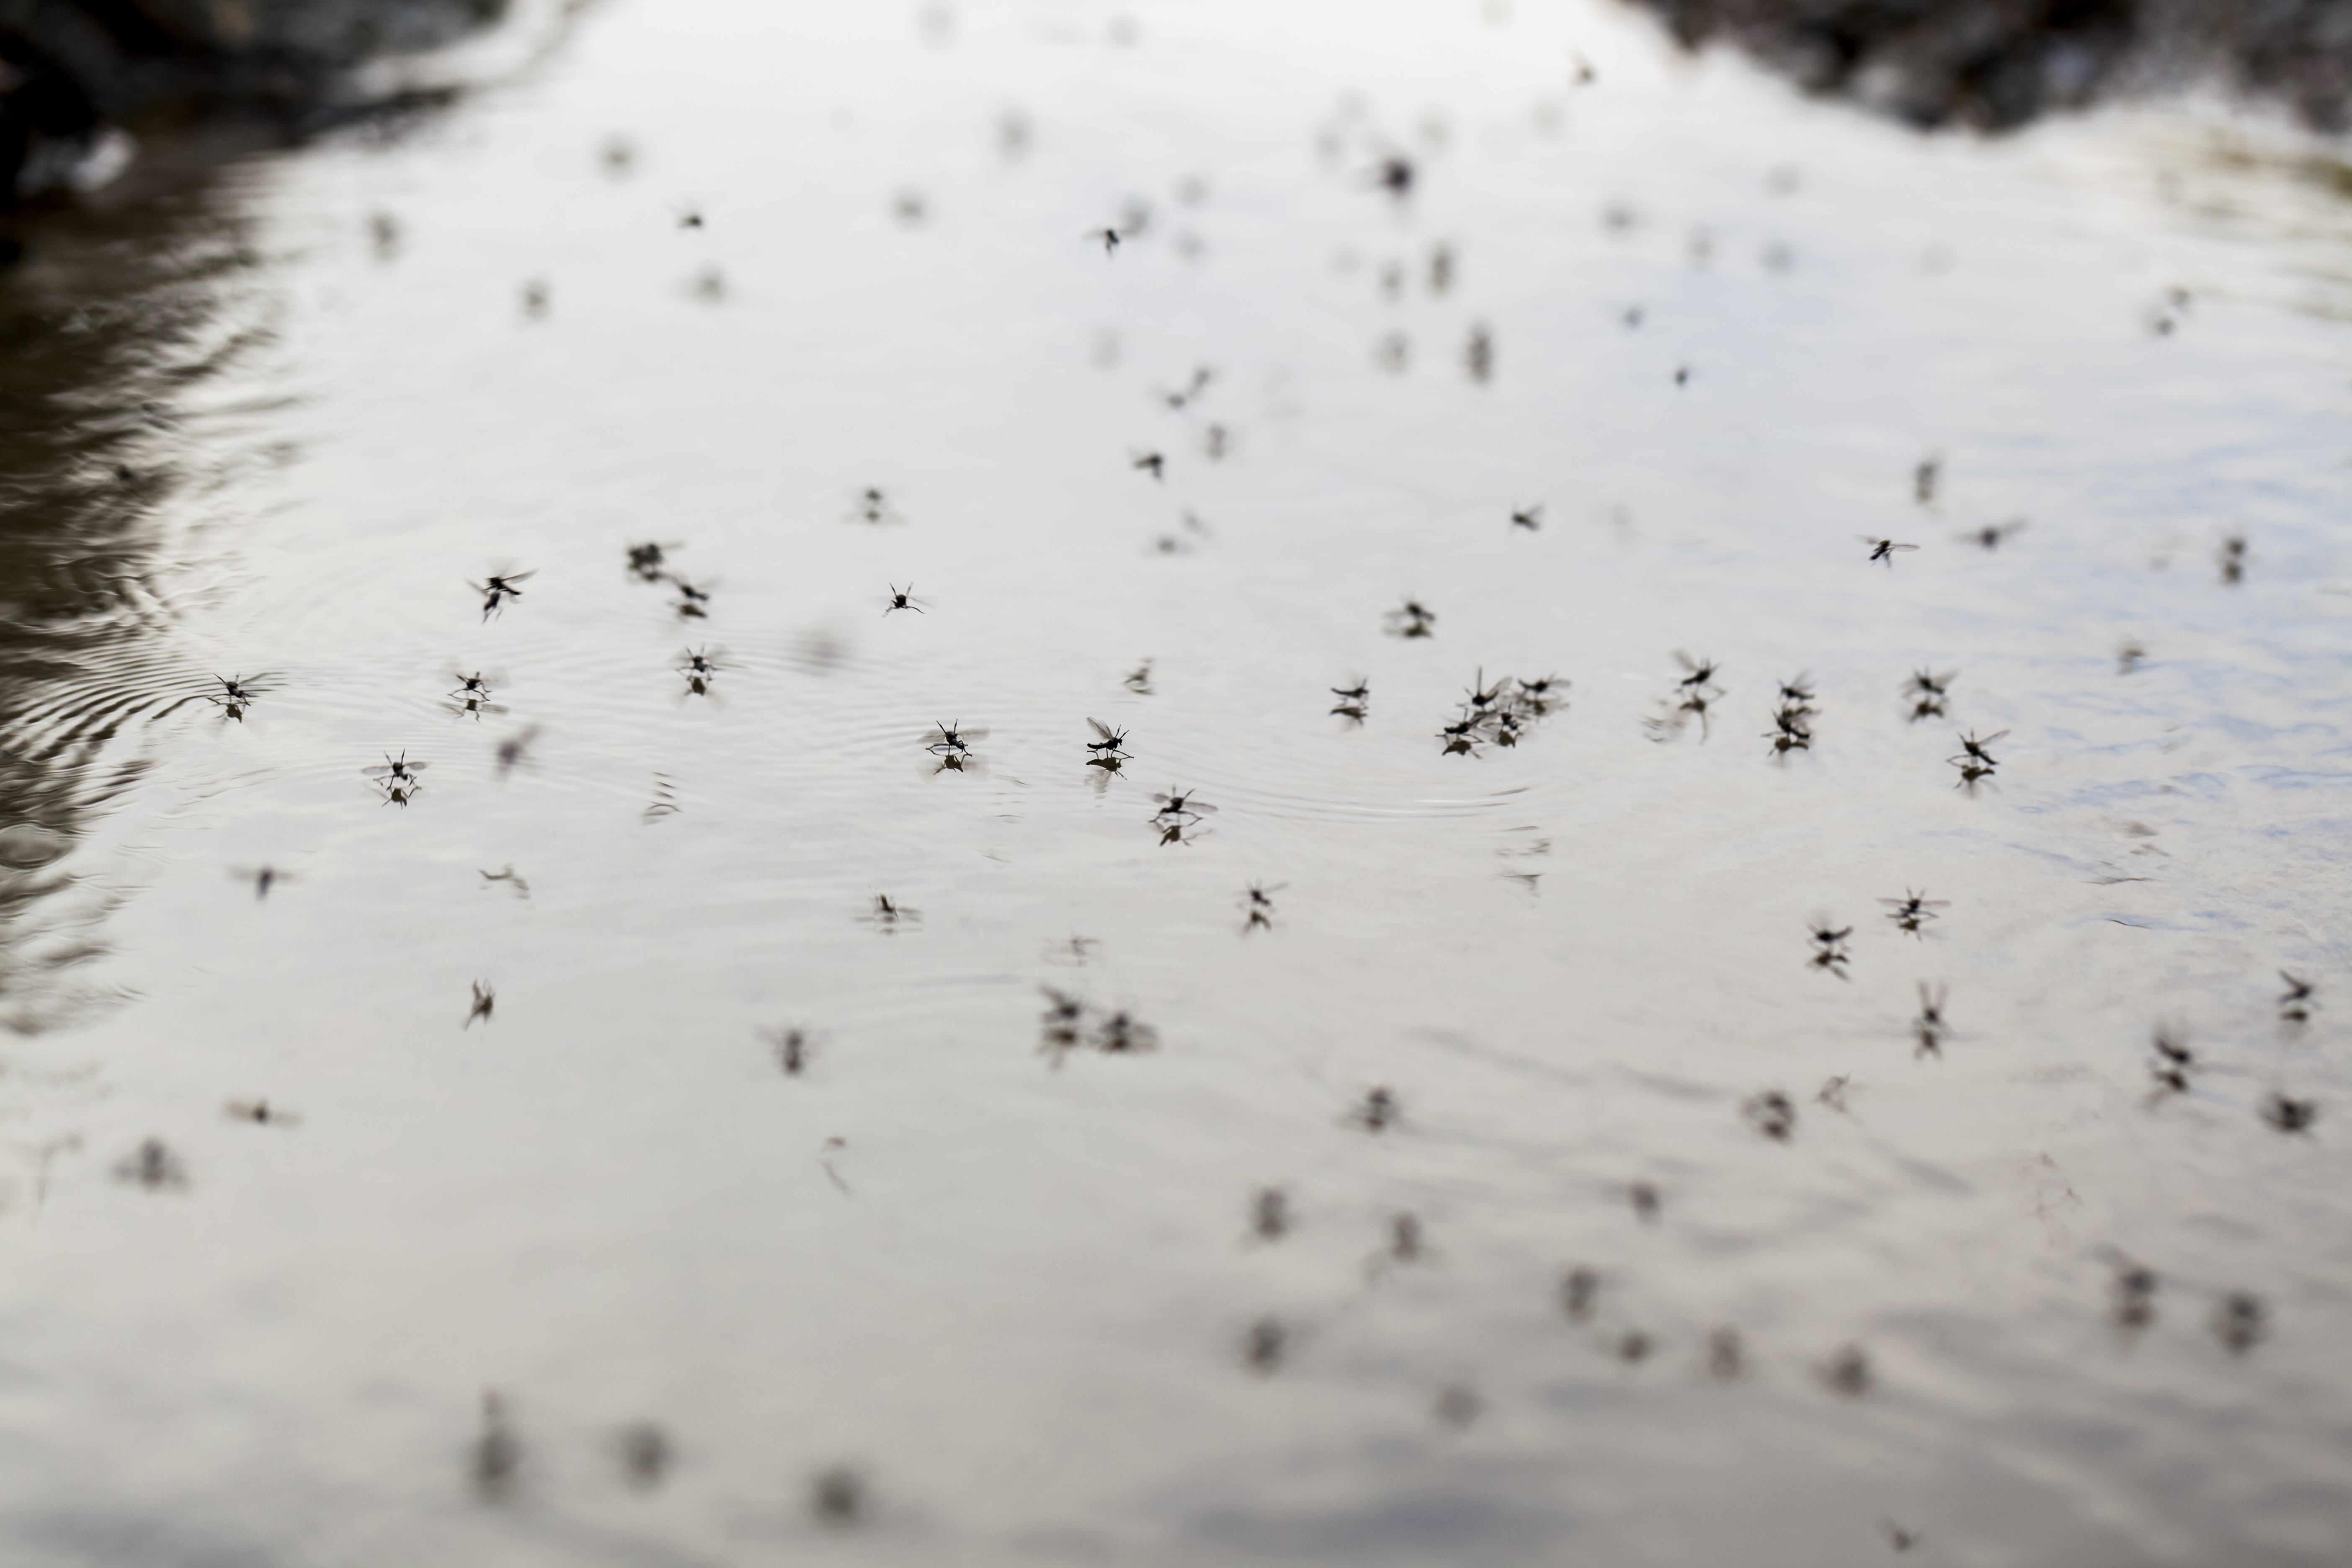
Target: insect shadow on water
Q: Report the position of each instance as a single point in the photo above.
(887, 917)
(498, 588)
(485, 1003)
(1829, 947)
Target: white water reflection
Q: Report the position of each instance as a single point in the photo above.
(1019, 1304)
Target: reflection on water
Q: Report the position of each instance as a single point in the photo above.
(1609, 827)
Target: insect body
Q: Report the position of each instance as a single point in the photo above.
(498, 588)
(901, 599)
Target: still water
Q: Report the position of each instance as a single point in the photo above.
(1433, 1205)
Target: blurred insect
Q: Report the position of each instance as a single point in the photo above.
(1929, 1028)
(2233, 558)
(1647, 1203)
(1264, 1346)
(1410, 620)
(646, 560)
(1139, 680)
(2132, 1292)
(1192, 390)
(510, 876)
(1923, 480)
(1528, 517)
(1214, 441)
(2241, 1322)
(1829, 948)
(486, 1000)
(1478, 353)
(535, 296)
(954, 739)
(2294, 1004)
(1377, 1111)
(1883, 549)
(1990, 537)
(902, 599)
(1789, 732)
(263, 878)
(1394, 174)
(1406, 1244)
(1798, 693)
(1257, 903)
(261, 1112)
(2129, 659)
(1900, 1539)
(498, 588)
(837, 1498)
(1270, 1216)
(1832, 1092)
(2172, 1064)
(792, 1047)
(1151, 463)
(472, 692)
(1633, 1346)
(1060, 1027)
(1458, 1405)
(514, 750)
(497, 1459)
(1848, 1371)
(1180, 806)
(873, 506)
(1725, 1355)
(1578, 1289)
(397, 778)
(645, 1454)
(1974, 750)
(1972, 774)
(690, 600)
(1122, 1033)
(2290, 1115)
(887, 916)
(1682, 376)
(1772, 1113)
(1912, 909)
(152, 1165)
(699, 671)
(233, 697)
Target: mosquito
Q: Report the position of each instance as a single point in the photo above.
(1829, 944)
(1798, 693)
(233, 695)
(690, 600)
(1973, 749)
(1108, 745)
(1411, 619)
(902, 599)
(499, 588)
(1883, 549)
(1702, 671)
(950, 739)
(396, 770)
(1108, 237)
(2171, 1067)
(646, 559)
(261, 1112)
(1528, 517)
(1990, 537)
(1181, 807)
(263, 878)
(1356, 694)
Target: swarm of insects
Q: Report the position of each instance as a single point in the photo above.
(1498, 714)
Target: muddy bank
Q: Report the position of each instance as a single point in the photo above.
(72, 69)
(1995, 65)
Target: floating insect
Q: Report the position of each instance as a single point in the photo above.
(486, 1000)
(2129, 659)
(234, 696)
(1528, 517)
(646, 560)
(1121, 1034)
(514, 750)
(1394, 174)
(2290, 1115)
(261, 1112)
(1832, 1092)
(2241, 1322)
(902, 599)
(2294, 1004)
(263, 878)
(1355, 702)
(1257, 903)
(1883, 549)
(1929, 1028)
(887, 917)
(1772, 1113)
(645, 1454)
(1973, 749)
(1377, 1111)
(1180, 806)
(1829, 948)
(472, 693)
(154, 1166)
(1270, 1215)
(690, 600)
(1061, 1028)
(498, 588)
(2233, 558)
(2132, 1293)
(874, 507)
(1478, 353)
(2172, 1066)
(1990, 535)
(699, 670)
(1912, 910)
(1726, 1355)
(954, 739)
(1789, 732)
(1411, 619)
(1192, 390)
(1151, 463)
(1107, 746)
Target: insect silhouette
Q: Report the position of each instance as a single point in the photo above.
(535, 296)
(1478, 353)
(902, 599)
(498, 588)
(2241, 1322)
(1829, 948)
(1647, 1203)
(154, 1166)
(1929, 1028)
(1151, 463)
(1180, 806)
(1682, 376)
(1833, 1093)
(1122, 1033)
(1410, 620)
(2287, 1115)
(1578, 1289)
(510, 876)
(1725, 1355)
(472, 691)
(1257, 904)
(1355, 702)
(1883, 549)
(1772, 1113)
(1991, 535)
(1789, 732)
(397, 778)
(874, 507)
(1909, 911)
(887, 917)
(837, 1498)
(1270, 1215)
(1900, 1539)
(263, 878)
(1528, 517)
(486, 1000)
(954, 739)
(646, 560)
(1107, 746)
(1974, 750)
(2294, 1004)
(1797, 692)
(699, 670)
(690, 600)
(514, 749)
(1377, 1111)
(2233, 558)
(645, 1454)
(2172, 1066)
(2129, 659)
(2132, 1293)
(1264, 1346)
(234, 696)
(1061, 1030)
(1394, 174)
(1192, 390)
(1110, 238)
(793, 1046)
(496, 1459)
(1923, 480)
(261, 1112)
